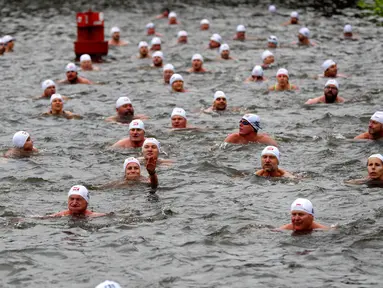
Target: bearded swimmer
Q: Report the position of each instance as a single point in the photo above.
(177, 83)
(294, 19)
(197, 64)
(167, 73)
(57, 108)
(179, 120)
(219, 103)
(158, 58)
(137, 136)
(283, 83)
(116, 41)
(248, 132)
(330, 94)
(302, 217)
(182, 37)
(375, 128)
(215, 41)
(72, 76)
(143, 50)
(241, 33)
(256, 75)
(270, 158)
(23, 146)
(204, 25)
(374, 169)
(267, 58)
(151, 150)
(224, 52)
(125, 112)
(330, 70)
(86, 63)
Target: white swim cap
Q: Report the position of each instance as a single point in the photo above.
(20, 138)
(254, 120)
(172, 15)
(304, 205)
(156, 41)
(197, 57)
(283, 71)
(294, 14)
(241, 28)
(257, 71)
(8, 38)
(137, 124)
(168, 67)
(377, 116)
(326, 64)
(47, 83)
(266, 54)
(271, 150)
(204, 21)
(272, 9)
(332, 82)
(115, 29)
(2, 41)
(85, 57)
(71, 67)
(108, 284)
(219, 94)
(347, 28)
(176, 77)
(153, 141)
(217, 38)
(122, 101)
(158, 54)
(273, 39)
(182, 34)
(379, 156)
(142, 44)
(131, 160)
(56, 96)
(305, 32)
(79, 190)
(150, 25)
(178, 112)
(224, 47)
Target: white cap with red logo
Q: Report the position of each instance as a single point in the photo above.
(79, 190)
(271, 150)
(137, 124)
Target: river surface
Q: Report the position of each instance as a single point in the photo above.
(212, 224)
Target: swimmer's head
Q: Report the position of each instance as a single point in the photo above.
(375, 126)
(302, 214)
(178, 118)
(283, 76)
(172, 18)
(272, 41)
(150, 29)
(257, 71)
(57, 102)
(124, 108)
(9, 42)
(182, 37)
(224, 50)
(86, 61)
(330, 68)
(197, 61)
(267, 57)
(158, 58)
(375, 167)
(304, 33)
(132, 168)
(270, 158)
(49, 88)
(22, 140)
(215, 41)
(155, 44)
(331, 90)
(241, 31)
(204, 24)
(151, 148)
(108, 284)
(78, 199)
(272, 9)
(71, 72)
(143, 48)
(294, 17)
(168, 72)
(137, 131)
(347, 30)
(177, 82)
(71, 67)
(220, 101)
(115, 31)
(249, 123)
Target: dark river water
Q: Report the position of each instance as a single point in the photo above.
(212, 223)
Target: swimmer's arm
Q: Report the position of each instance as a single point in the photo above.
(286, 227)
(271, 88)
(320, 226)
(361, 136)
(94, 214)
(268, 141)
(76, 116)
(159, 34)
(141, 116)
(248, 80)
(294, 87)
(119, 144)
(356, 181)
(111, 119)
(311, 101)
(153, 180)
(232, 138)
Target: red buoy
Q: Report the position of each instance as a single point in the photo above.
(90, 35)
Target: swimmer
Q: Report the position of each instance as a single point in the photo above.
(256, 75)
(374, 169)
(172, 18)
(241, 33)
(72, 76)
(2, 46)
(294, 19)
(272, 9)
(137, 136)
(330, 70)
(164, 14)
(224, 51)
(177, 83)
(302, 217)
(155, 44)
(57, 108)
(304, 37)
(204, 25)
(272, 42)
(182, 37)
(22, 145)
(375, 128)
(108, 284)
(125, 112)
(270, 158)
(9, 43)
(151, 30)
(347, 33)
(179, 120)
(151, 150)
(215, 41)
(219, 103)
(116, 41)
(86, 63)
(143, 49)
(132, 173)
(197, 64)
(283, 82)
(78, 199)
(248, 132)
(49, 88)
(158, 58)
(167, 73)
(267, 58)
(330, 94)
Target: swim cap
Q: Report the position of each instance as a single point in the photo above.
(326, 64)
(304, 205)
(142, 44)
(379, 156)
(150, 25)
(122, 101)
(257, 71)
(294, 14)
(347, 28)
(283, 71)
(168, 67)
(131, 160)
(47, 83)
(71, 67)
(108, 284)
(197, 57)
(153, 141)
(20, 138)
(305, 32)
(219, 94)
(216, 37)
(378, 117)
(241, 28)
(266, 54)
(273, 39)
(172, 15)
(272, 9)
(79, 190)
(224, 47)
(8, 38)
(114, 29)
(204, 21)
(56, 96)
(178, 112)
(137, 124)
(254, 120)
(182, 34)
(2, 41)
(156, 41)
(176, 77)
(271, 150)
(85, 57)
(332, 82)
(158, 54)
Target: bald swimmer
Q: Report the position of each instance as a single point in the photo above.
(57, 108)
(22, 145)
(86, 63)
(116, 41)
(375, 128)
(270, 158)
(256, 75)
(167, 73)
(330, 94)
(125, 112)
(137, 136)
(72, 76)
(197, 64)
(283, 83)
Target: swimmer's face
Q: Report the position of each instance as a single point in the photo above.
(167, 75)
(150, 150)
(245, 127)
(271, 45)
(173, 20)
(225, 54)
(151, 31)
(86, 65)
(156, 47)
(301, 220)
(183, 39)
(282, 79)
(197, 64)
(204, 27)
(28, 146)
(132, 171)
(301, 37)
(77, 204)
(269, 162)
(268, 60)
(178, 122)
(220, 103)
(375, 169)
(71, 75)
(57, 105)
(347, 35)
(2, 48)
(125, 110)
(241, 35)
(178, 86)
(330, 93)
(157, 61)
(144, 51)
(293, 20)
(10, 45)
(213, 44)
(116, 36)
(332, 71)
(136, 134)
(49, 91)
(374, 127)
